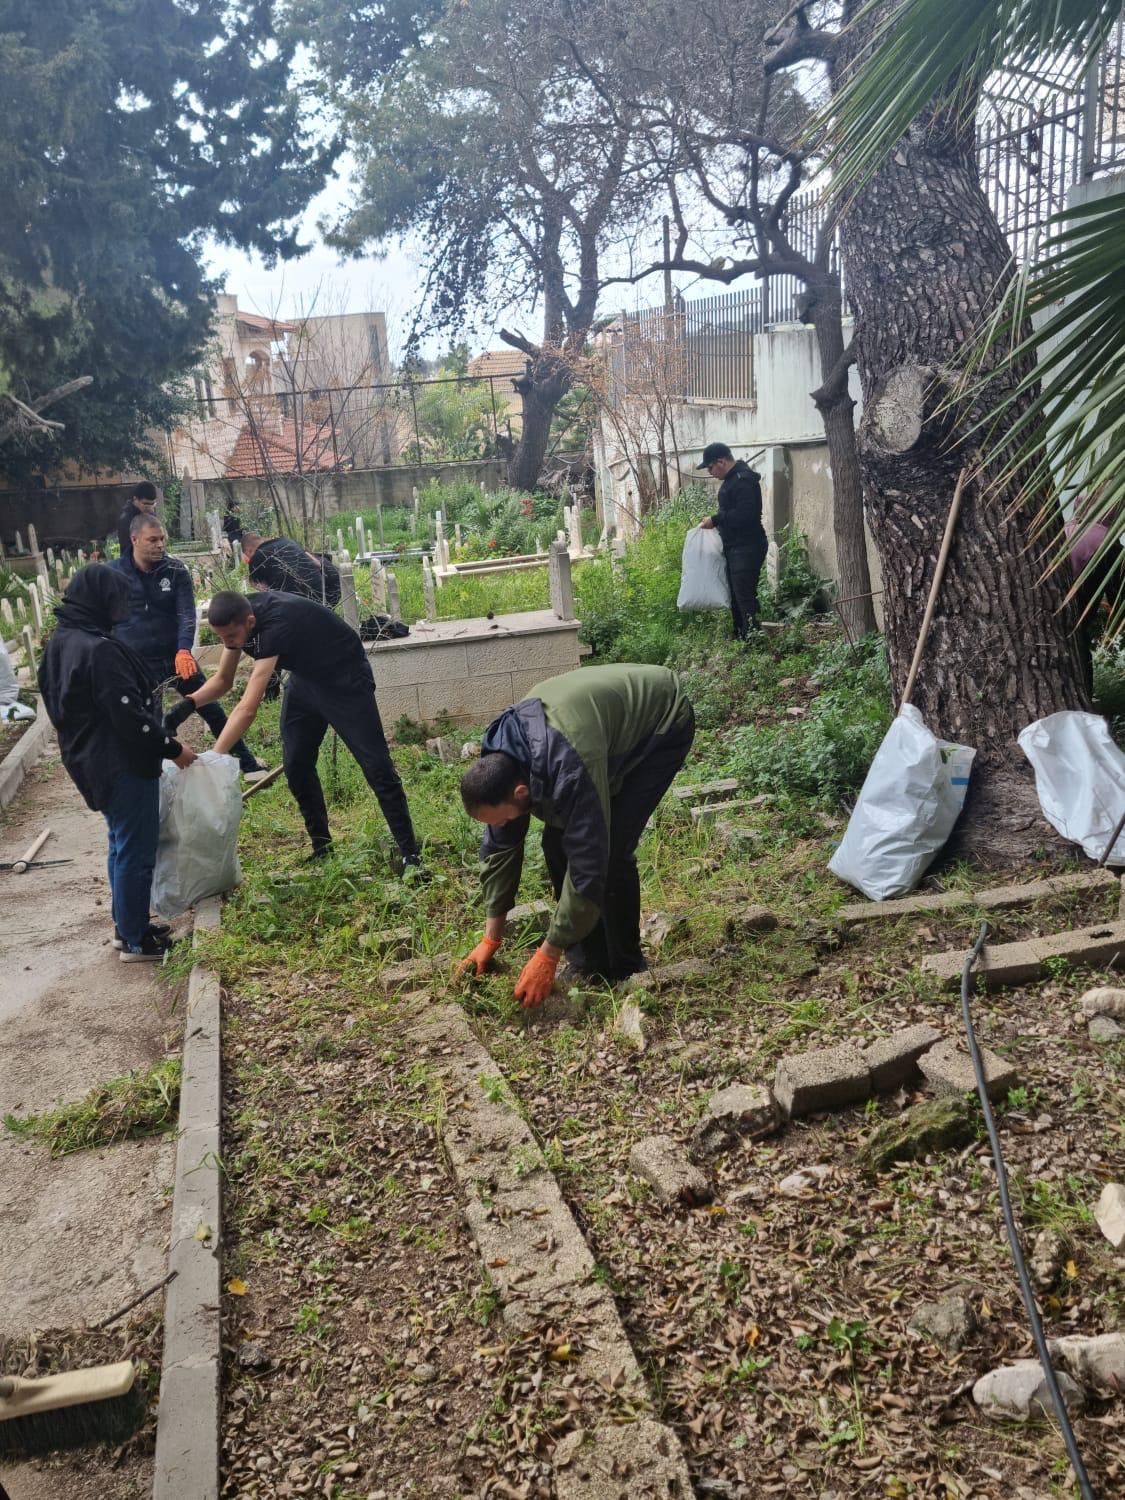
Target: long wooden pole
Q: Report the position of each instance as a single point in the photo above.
(939, 574)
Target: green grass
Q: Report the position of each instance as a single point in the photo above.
(139, 1104)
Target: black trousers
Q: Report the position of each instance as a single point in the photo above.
(211, 713)
(612, 951)
(744, 567)
(308, 711)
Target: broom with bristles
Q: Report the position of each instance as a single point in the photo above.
(99, 1405)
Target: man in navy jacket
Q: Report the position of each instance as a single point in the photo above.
(161, 624)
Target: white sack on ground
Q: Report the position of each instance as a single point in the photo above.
(10, 706)
(197, 856)
(703, 579)
(1080, 779)
(906, 810)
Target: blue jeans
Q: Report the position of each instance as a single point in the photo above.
(133, 820)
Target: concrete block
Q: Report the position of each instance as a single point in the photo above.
(1105, 1029)
(428, 661)
(750, 1107)
(705, 789)
(468, 701)
(551, 650)
(396, 703)
(444, 748)
(621, 1463)
(534, 914)
(1097, 946)
(856, 913)
(1088, 882)
(393, 942)
(666, 975)
(706, 812)
(828, 1078)
(663, 1164)
(949, 1069)
(628, 1024)
(1003, 963)
(893, 1060)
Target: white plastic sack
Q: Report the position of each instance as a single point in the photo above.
(703, 579)
(10, 706)
(906, 809)
(197, 855)
(1080, 779)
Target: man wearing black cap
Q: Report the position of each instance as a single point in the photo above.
(738, 521)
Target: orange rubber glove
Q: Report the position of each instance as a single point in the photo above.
(186, 665)
(480, 958)
(537, 980)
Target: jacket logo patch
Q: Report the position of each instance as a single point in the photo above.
(166, 585)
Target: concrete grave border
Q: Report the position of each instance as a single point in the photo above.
(996, 898)
(537, 1256)
(23, 754)
(188, 1422)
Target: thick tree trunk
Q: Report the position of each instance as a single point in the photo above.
(836, 407)
(924, 259)
(547, 381)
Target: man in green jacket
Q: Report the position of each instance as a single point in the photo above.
(591, 754)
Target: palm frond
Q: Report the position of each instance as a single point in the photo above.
(944, 50)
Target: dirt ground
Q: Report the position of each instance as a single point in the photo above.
(85, 1233)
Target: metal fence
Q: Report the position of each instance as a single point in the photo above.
(1036, 138)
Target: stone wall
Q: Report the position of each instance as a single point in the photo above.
(63, 517)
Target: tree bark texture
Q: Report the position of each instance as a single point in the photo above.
(547, 381)
(924, 260)
(836, 408)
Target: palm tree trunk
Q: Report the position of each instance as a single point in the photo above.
(924, 261)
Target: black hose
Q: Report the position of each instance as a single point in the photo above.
(1013, 1235)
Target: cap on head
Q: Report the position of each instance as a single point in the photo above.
(712, 453)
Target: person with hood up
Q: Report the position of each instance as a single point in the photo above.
(738, 521)
(590, 753)
(97, 695)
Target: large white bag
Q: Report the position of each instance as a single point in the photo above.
(197, 855)
(906, 809)
(703, 579)
(1080, 779)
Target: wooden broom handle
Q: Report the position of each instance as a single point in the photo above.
(939, 574)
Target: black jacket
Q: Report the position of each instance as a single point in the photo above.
(738, 519)
(96, 691)
(283, 566)
(124, 521)
(161, 609)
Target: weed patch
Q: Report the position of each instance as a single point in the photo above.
(139, 1104)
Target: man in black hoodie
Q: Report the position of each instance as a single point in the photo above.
(738, 521)
(97, 696)
(142, 502)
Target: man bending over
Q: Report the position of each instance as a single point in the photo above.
(330, 686)
(591, 754)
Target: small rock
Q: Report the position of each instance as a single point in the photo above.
(423, 1374)
(252, 1356)
(1110, 1214)
(949, 1323)
(1047, 1257)
(1105, 1029)
(738, 1110)
(1103, 1002)
(1098, 1362)
(629, 1025)
(666, 975)
(801, 1181)
(470, 750)
(660, 927)
(1020, 1390)
(749, 920)
(444, 748)
(949, 1068)
(933, 1125)
(660, 1161)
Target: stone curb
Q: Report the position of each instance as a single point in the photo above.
(188, 1418)
(23, 755)
(538, 1259)
(1025, 961)
(996, 898)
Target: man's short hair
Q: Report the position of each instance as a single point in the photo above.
(251, 541)
(228, 608)
(144, 523)
(490, 781)
(146, 490)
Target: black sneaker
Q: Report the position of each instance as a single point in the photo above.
(159, 929)
(153, 949)
(409, 867)
(319, 851)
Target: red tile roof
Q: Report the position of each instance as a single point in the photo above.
(248, 461)
(265, 325)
